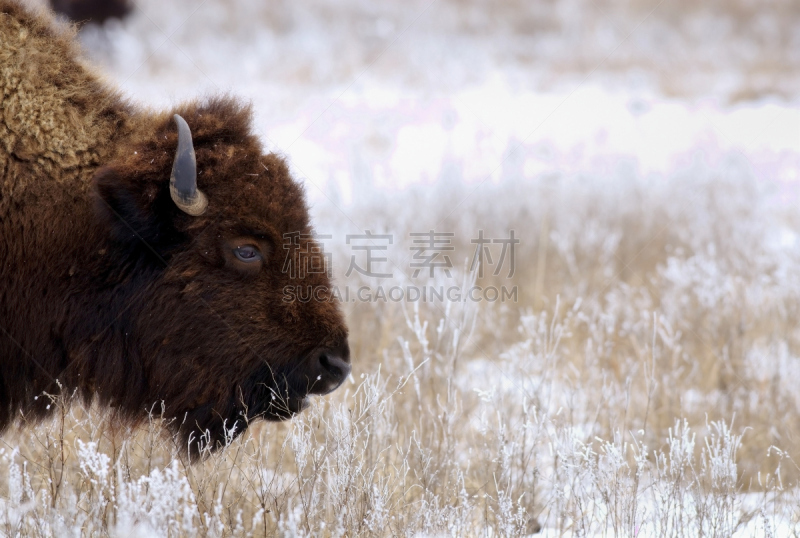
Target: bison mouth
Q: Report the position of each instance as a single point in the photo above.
(274, 399)
(215, 424)
(278, 396)
(268, 393)
(285, 408)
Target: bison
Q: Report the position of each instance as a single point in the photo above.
(144, 254)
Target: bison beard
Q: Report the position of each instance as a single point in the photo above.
(142, 254)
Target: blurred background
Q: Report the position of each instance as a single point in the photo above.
(362, 94)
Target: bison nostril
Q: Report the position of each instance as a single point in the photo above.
(337, 368)
(329, 368)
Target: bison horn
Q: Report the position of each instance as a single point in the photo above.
(183, 181)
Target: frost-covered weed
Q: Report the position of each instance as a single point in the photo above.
(603, 402)
(160, 503)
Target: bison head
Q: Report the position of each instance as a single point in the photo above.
(205, 231)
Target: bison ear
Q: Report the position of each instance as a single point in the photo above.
(137, 211)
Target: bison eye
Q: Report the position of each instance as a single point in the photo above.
(247, 254)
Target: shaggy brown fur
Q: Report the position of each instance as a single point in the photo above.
(92, 10)
(107, 289)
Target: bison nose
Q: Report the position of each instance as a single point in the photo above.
(329, 368)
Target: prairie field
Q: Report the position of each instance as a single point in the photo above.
(625, 368)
